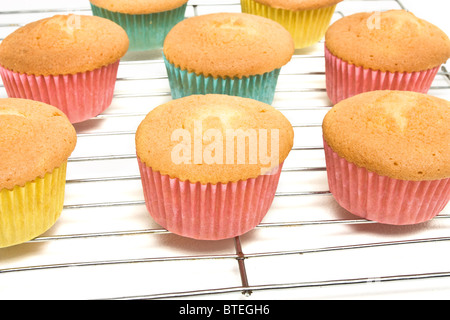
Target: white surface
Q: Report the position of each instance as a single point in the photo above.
(299, 257)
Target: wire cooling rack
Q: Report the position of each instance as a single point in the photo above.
(106, 246)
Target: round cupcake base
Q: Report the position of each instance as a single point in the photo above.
(28, 211)
(344, 80)
(208, 211)
(80, 96)
(258, 87)
(384, 199)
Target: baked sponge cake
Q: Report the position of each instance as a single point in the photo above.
(388, 155)
(68, 61)
(306, 20)
(210, 164)
(227, 53)
(391, 50)
(146, 22)
(36, 140)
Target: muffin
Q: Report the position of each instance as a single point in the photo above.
(392, 50)
(68, 61)
(36, 140)
(388, 155)
(306, 20)
(210, 164)
(146, 22)
(226, 53)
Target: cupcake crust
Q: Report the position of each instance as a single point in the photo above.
(158, 138)
(298, 5)
(228, 45)
(393, 41)
(63, 44)
(399, 134)
(35, 138)
(138, 6)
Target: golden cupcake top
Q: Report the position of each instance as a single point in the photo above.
(63, 44)
(298, 5)
(228, 44)
(138, 6)
(35, 138)
(394, 41)
(214, 138)
(399, 134)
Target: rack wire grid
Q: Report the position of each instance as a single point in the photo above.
(106, 246)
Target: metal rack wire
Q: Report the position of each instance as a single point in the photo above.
(105, 245)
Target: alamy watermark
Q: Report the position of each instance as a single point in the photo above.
(73, 22)
(374, 21)
(234, 146)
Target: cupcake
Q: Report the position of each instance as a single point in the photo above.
(306, 20)
(388, 155)
(226, 53)
(68, 61)
(36, 140)
(146, 22)
(210, 164)
(392, 50)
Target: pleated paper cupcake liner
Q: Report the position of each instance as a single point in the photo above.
(344, 80)
(145, 31)
(208, 211)
(80, 96)
(28, 211)
(307, 27)
(258, 87)
(384, 199)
